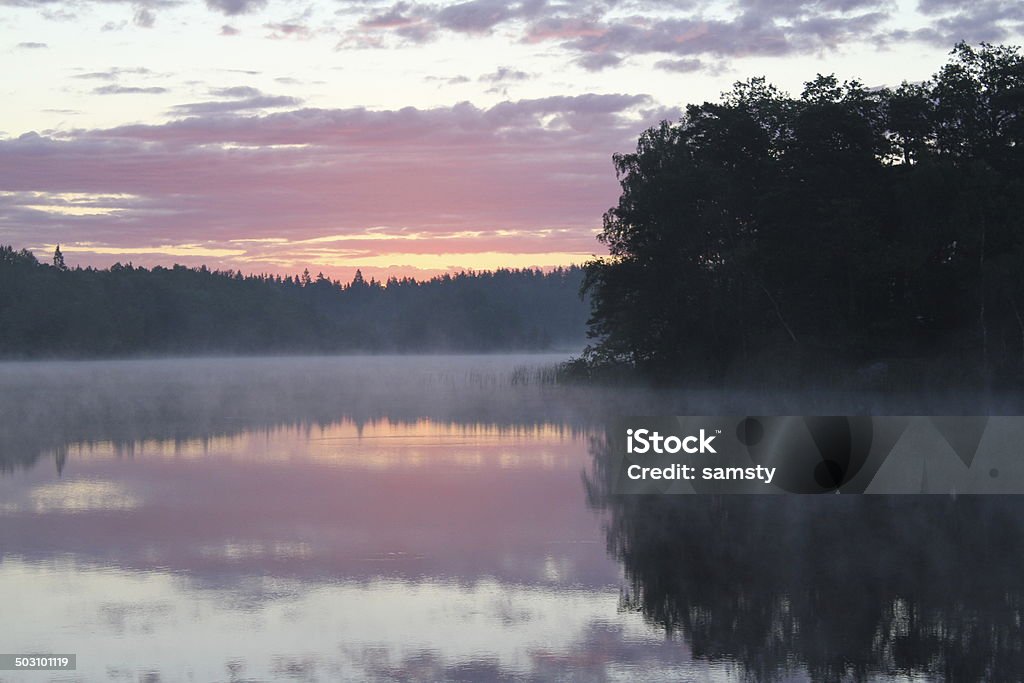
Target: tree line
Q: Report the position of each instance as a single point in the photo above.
(50, 310)
(850, 227)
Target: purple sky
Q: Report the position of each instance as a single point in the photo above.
(400, 138)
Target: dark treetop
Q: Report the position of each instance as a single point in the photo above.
(880, 229)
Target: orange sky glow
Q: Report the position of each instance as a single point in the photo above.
(406, 139)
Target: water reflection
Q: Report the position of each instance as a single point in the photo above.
(363, 500)
(426, 519)
(269, 628)
(46, 408)
(834, 587)
(429, 526)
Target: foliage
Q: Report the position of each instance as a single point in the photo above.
(125, 310)
(848, 224)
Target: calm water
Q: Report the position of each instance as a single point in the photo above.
(445, 518)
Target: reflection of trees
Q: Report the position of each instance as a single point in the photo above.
(844, 586)
(46, 407)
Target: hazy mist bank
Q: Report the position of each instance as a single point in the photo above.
(47, 405)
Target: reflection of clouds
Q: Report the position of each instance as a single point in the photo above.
(350, 491)
(556, 569)
(363, 630)
(83, 495)
(245, 550)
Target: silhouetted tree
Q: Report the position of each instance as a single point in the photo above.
(58, 259)
(847, 225)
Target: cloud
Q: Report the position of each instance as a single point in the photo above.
(288, 29)
(603, 34)
(599, 35)
(505, 74)
(746, 35)
(932, 7)
(409, 22)
(239, 98)
(31, 46)
(144, 18)
(144, 14)
(144, 10)
(459, 124)
(598, 61)
(394, 17)
(952, 21)
(236, 91)
(418, 23)
(562, 28)
(128, 90)
(114, 73)
(480, 16)
(681, 66)
(235, 7)
(772, 9)
(450, 80)
(523, 176)
(57, 14)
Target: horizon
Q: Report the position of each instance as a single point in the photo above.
(403, 139)
(296, 276)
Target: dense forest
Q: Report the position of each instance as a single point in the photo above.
(879, 230)
(50, 310)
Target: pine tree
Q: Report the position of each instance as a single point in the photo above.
(58, 259)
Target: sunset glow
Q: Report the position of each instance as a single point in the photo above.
(402, 139)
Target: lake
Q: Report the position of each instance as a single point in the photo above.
(445, 518)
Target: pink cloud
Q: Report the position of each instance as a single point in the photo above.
(540, 170)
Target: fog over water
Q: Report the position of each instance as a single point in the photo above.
(445, 517)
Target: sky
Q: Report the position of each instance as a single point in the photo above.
(400, 138)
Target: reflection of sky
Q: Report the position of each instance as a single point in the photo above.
(73, 496)
(271, 628)
(381, 498)
(383, 550)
